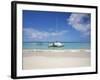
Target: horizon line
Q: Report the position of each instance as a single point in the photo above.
(53, 41)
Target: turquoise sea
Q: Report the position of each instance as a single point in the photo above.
(44, 45)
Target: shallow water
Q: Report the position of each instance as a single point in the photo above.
(44, 45)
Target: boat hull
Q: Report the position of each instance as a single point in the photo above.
(56, 45)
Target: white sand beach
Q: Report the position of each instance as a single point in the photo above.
(43, 59)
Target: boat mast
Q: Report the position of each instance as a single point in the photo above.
(56, 28)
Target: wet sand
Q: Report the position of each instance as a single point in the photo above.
(55, 59)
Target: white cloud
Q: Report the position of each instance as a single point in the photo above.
(34, 34)
(77, 21)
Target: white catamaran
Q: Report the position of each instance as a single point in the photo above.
(56, 43)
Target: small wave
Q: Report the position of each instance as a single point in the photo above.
(69, 50)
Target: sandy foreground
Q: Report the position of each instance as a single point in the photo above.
(55, 59)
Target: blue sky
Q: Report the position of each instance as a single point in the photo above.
(56, 26)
